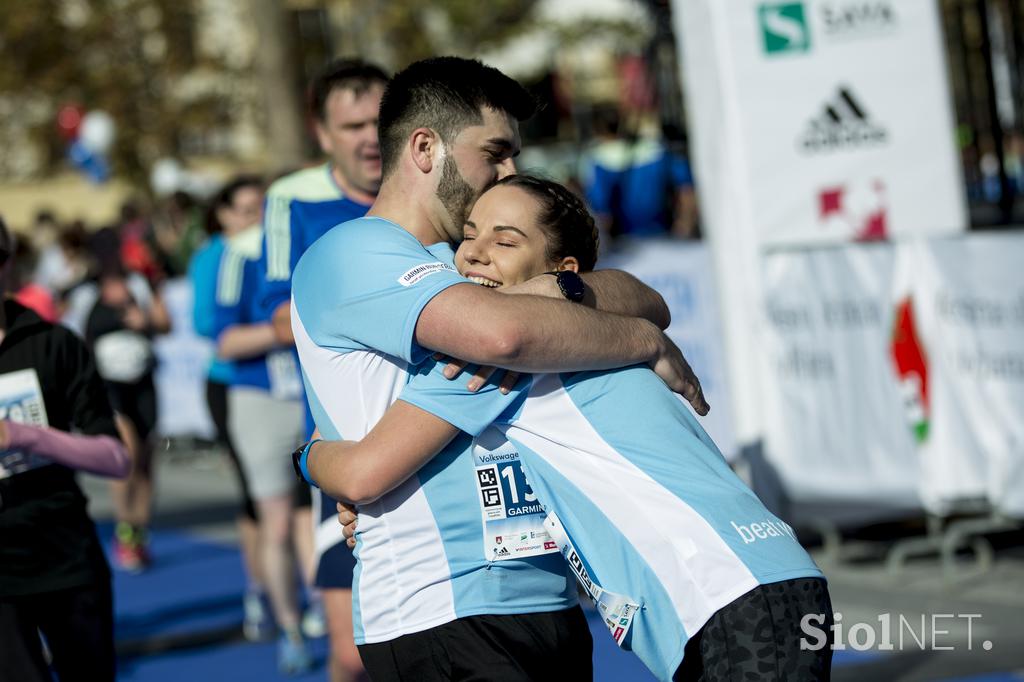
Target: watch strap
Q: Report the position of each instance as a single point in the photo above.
(560, 276)
(300, 458)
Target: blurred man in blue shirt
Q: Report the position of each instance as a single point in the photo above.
(637, 186)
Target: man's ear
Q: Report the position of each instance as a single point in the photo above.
(322, 137)
(425, 148)
(569, 263)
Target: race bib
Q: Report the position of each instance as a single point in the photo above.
(513, 518)
(616, 610)
(285, 382)
(21, 400)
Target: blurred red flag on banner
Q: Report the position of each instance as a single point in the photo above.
(911, 367)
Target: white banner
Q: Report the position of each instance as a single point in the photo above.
(183, 358)
(896, 373)
(844, 114)
(725, 201)
(821, 121)
(681, 272)
(967, 298)
(836, 426)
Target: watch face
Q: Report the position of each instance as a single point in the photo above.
(296, 456)
(571, 285)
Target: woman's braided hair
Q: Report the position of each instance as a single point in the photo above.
(566, 222)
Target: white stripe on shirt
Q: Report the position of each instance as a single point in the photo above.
(691, 580)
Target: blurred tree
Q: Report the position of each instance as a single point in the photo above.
(122, 56)
(217, 77)
(274, 63)
(397, 33)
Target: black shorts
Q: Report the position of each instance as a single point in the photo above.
(302, 496)
(217, 402)
(514, 648)
(336, 564)
(757, 637)
(78, 624)
(137, 402)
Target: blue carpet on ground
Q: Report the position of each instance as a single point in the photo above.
(611, 662)
(231, 661)
(988, 677)
(851, 657)
(195, 586)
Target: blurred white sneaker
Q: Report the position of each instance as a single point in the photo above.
(256, 622)
(293, 657)
(314, 622)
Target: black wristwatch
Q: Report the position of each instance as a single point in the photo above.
(570, 284)
(300, 459)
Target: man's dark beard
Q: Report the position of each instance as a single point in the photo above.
(455, 193)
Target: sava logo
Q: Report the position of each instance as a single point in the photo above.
(842, 124)
(783, 27)
(857, 19)
(417, 273)
(786, 26)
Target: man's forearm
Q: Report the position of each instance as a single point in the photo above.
(282, 321)
(610, 291)
(615, 291)
(243, 341)
(333, 465)
(533, 334)
(359, 472)
(579, 338)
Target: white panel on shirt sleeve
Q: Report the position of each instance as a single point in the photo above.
(699, 571)
(404, 581)
(279, 238)
(229, 278)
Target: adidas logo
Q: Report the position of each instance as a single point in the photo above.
(843, 124)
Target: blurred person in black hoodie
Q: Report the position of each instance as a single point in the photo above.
(54, 580)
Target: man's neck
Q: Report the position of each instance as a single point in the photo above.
(410, 212)
(349, 190)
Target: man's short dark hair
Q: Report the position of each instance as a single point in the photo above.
(445, 94)
(343, 74)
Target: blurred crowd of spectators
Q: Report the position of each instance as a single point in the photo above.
(58, 257)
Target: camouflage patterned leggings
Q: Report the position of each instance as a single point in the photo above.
(756, 638)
